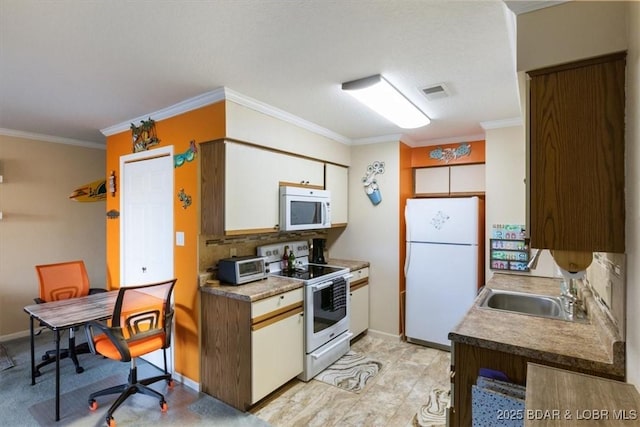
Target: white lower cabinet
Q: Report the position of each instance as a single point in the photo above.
(277, 342)
(276, 354)
(359, 293)
(249, 349)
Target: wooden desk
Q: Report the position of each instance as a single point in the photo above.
(66, 314)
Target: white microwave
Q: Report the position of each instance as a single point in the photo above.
(304, 208)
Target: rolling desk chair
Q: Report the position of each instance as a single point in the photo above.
(62, 281)
(141, 323)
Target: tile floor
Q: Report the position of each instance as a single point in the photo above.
(391, 398)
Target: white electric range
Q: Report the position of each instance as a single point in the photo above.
(326, 304)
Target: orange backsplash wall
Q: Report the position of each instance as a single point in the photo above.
(420, 155)
(406, 190)
(203, 124)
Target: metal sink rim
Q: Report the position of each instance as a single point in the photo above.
(554, 301)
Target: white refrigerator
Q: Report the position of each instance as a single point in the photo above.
(441, 267)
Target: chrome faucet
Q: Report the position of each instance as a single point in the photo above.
(569, 296)
(533, 262)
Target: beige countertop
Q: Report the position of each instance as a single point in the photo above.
(352, 265)
(254, 291)
(556, 397)
(272, 285)
(592, 345)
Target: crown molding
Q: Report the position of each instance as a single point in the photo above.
(379, 139)
(450, 140)
(49, 138)
(221, 94)
(277, 113)
(503, 123)
(190, 104)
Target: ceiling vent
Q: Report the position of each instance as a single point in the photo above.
(435, 92)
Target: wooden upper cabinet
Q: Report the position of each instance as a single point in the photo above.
(577, 155)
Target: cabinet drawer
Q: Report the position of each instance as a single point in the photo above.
(277, 303)
(360, 276)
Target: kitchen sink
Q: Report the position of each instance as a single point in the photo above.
(524, 303)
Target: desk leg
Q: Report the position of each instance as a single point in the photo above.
(33, 355)
(57, 375)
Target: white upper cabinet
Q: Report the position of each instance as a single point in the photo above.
(467, 179)
(450, 180)
(432, 181)
(337, 181)
(240, 187)
(252, 179)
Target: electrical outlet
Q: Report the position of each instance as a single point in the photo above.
(233, 252)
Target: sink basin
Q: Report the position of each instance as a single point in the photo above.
(523, 303)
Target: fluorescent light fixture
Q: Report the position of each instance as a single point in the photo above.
(378, 94)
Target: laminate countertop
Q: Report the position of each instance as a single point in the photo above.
(556, 397)
(272, 285)
(593, 346)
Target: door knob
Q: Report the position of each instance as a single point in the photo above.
(144, 269)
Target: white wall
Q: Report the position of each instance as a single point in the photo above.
(373, 235)
(505, 193)
(253, 126)
(633, 193)
(570, 31)
(40, 224)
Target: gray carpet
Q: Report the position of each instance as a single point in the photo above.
(22, 404)
(5, 360)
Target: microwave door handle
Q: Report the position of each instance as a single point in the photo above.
(324, 213)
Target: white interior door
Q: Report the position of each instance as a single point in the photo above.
(146, 227)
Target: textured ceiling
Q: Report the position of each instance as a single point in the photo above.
(70, 68)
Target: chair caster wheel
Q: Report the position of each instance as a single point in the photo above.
(79, 370)
(93, 405)
(37, 374)
(111, 422)
(163, 406)
(45, 357)
(170, 384)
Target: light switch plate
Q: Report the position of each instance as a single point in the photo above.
(179, 238)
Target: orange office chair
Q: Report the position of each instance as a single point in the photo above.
(62, 281)
(141, 323)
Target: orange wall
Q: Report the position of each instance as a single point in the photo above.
(204, 124)
(420, 155)
(406, 190)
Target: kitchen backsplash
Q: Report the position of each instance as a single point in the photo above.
(212, 248)
(606, 275)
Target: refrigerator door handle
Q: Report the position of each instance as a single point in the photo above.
(407, 258)
(407, 255)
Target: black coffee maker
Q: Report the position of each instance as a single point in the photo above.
(317, 251)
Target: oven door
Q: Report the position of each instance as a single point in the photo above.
(327, 311)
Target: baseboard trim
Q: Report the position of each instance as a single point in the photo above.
(187, 381)
(15, 335)
(383, 335)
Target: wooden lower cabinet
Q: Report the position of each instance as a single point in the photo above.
(248, 350)
(466, 363)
